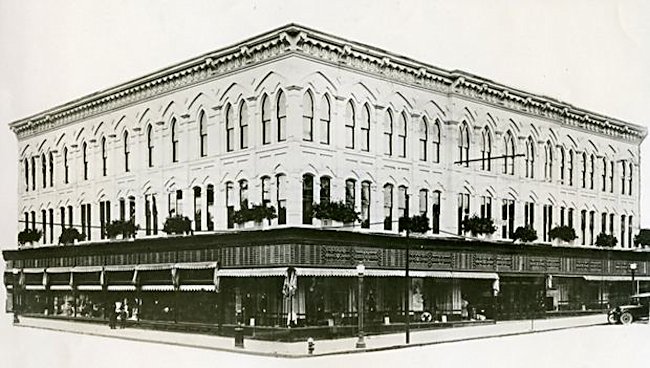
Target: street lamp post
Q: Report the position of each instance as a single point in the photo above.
(633, 269)
(361, 343)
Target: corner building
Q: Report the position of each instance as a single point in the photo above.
(295, 117)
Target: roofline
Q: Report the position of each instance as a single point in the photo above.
(291, 35)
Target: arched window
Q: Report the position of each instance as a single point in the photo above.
(243, 193)
(388, 207)
(583, 172)
(365, 128)
(243, 126)
(350, 193)
(266, 120)
(623, 176)
(174, 137)
(435, 212)
(629, 179)
(435, 140)
(325, 117)
(44, 170)
(150, 146)
(349, 125)
(282, 117)
(230, 205)
(611, 177)
(26, 174)
(266, 190)
(203, 134)
(307, 199)
(281, 191)
(592, 169)
(51, 161)
(33, 173)
(463, 145)
(66, 170)
(401, 135)
(324, 189)
(84, 154)
(307, 117)
(365, 204)
(603, 177)
(125, 142)
(424, 136)
(486, 150)
(509, 159)
(388, 133)
(530, 158)
(230, 128)
(562, 163)
(571, 160)
(548, 161)
(210, 203)
(104, 157)
(402, 202)
(423, 202)
(197, 208)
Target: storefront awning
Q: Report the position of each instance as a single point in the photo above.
(157, 287)
(58, 269)
(196, 265)
(352, 272)
(61, 287)
(197, 288)
(34, 270)
(119, 268)
(34, 287)
(81, 269)
(121, 288)
(89, 287)
(154, 266)
(616, 278)
(252, 272)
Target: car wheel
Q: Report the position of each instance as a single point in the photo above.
(626, 318)
(611, 319)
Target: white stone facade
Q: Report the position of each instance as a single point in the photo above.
(293, 62)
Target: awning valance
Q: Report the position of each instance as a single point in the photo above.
(154, 266)
(81, 269)
(58, 269)
(157, 287)
(352, 272)
(616, 278)
(89, 287)
(252, 272)
(119, 267)
(34, 287)
(34, 270)
(61, 287)
(196, 265)
(121, 288)
(197, 288)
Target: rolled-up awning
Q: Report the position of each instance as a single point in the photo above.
(81, 269)
(34, 287)
(196, 265)
(157, 287)
(616, 278)
(121, 288)
(58, 269)
(89, 287)
(197, 288)
(61, 287)
(34, 270)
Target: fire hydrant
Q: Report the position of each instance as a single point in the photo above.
(310, 346)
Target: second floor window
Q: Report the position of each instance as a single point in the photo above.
(365, 128)
(230, 128)
(435, 141)
(325, 117)
(203, 134)
(349, 125)
(243, 126)
(424, 135)
(65, 166)
(401, 135)
(150, 146)
(84, 153)
(530, 158)
(486, 150)
(307, 118)
(44, 170)
(51, 160)
(463, 145)
(266, 120)
(174, 138)
(282, 117)
(509, 159)
(127, 151)
(388, 133)
(104, 157)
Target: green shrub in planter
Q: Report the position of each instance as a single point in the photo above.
(336, 211)
(127, 229)
(256, 213)
(564, 233)
(70, 235)
(606, 240)
(177, 224)
(29, 236)
(525, 234)
(415, 224)
(479, 226)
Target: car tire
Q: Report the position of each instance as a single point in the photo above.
(611, 319)
(626, 318)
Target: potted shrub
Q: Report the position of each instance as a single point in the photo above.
(335, 211)
(127, 229)
(563, 233)
(642, 238)
(478, 226)
(256, 213)
(29, 236)
(606, 240)
(525, 234)
(414, 224)
(70, 235)
(178, 225)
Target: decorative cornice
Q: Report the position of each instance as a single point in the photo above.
(299, 40)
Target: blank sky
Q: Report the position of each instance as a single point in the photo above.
(592, 54)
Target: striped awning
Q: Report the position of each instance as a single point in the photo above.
(616, 278)
(121, 288)
(196, 265)
(157, 287)
(61, 287)
(89, 287)
(81, 269)
(58, 269)
(197, 288)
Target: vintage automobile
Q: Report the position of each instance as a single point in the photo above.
(626, 314)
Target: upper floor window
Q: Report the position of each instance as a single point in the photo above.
(562, 168)
(603, 177)
(571, 157)
(174, 137)
(44, 170)
(104, 157)
(402, 202)
(423, 202)
(51, 160)
(349, 125)
(324, 189)
(629, 180)
(611, 176)
(230, 128)
(583, 170)
(26, 174)
(530, 158)
(365, 204)
(509, 159)
(325, 117)
(150, 146)
(592, 169)
(435, 212)
(424, 135)
(281, 184)
(401, 135)
(548, 161)
(84, 154)
(266, 120)
(266, 190)
(307, 199)
(203, 134)
(463, 144)
(66, 168)
(243, 193)
(350, 193)
(435, 141)
(486, 150)
(243, 126)
(388, 207)
(307, 118)
(388, 133)
(282, 117)
(365, 128)
(623, 176)
(463, 210)
(127, 151)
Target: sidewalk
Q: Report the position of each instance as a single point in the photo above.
(324, 347)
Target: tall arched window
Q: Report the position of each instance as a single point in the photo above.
(243, 126)
(66, 171)
(125, 142)
(282, 117)
(548, 161)
(203, 134)
(463, 144)
(197, 208)
(243, 193)
(424, 136)
(530, 158)
(571, 160)
(583, 172)
(26, 162)
(230, 205)
(401, 135)
(486, 150)
(324, 189)
(592, 169)
(388, 207)
(388, 133)
(44, 170)
(365, 128)
(281, 192)
(402, 202)
(349, 125)
(603, 177)
(611, 176)
(562, 163)
(104, 157)
(365, 204)
(266, 190)
(84, 154)
(150, 146)
(623, 175)
(266, 120)
(51, 161)
(307, 117)
(307, 198)
(230, 128)
(435, 140)
(435, 212)
(423, 202)
(210, 203)
(174, 137)
(33, 173)
(325, 117)
(629, 179)
(350, 193)
(509, 159)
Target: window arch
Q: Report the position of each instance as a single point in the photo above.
(203, 134)
(365, 128)
(282, 116)
(266, 119)
(388, 133)
(307, 117)
(435, 140)
(51, 162)
(174, 137)
(84, 154)
(486, 150)
(243, 125)
(150, 146)
(463, 144)
(509, 159)
(325, 117)
(424, 136)
(530, 158)
(401, 135)
(230, 128)
(125, 142)
(349, 125)
(548, 161)
(104, 157)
